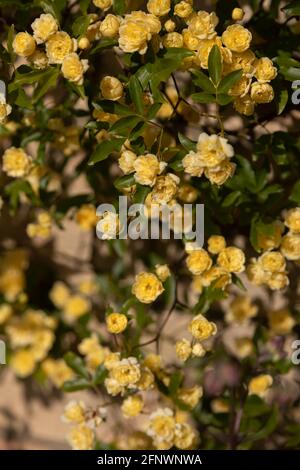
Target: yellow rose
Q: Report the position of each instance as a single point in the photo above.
(265, 70)
(198, 350)
(256, 272)
(108, 226)
(126, 372)
(5, 109)
(244, 105)
(24, 44)
(57, 371)
(23, 362)
(132, 406)
(190, 41)
(58, 46)
(183, 9)
(173, 40)
(147, 168)
(278, 281)
(162, 271)
(84, 43)
(161, 427)
(290, 246)
(261, 92)
(272, 261)
(75, 307)
(81, 438)
(259, 385)
(202, 24)
(165, 189)
(243, 347)
(43, 27)
(183, 349)
(185, 437)
(39, 60)
(16, 162)
(74, 412)
(241, 309)
(159, 7)
(73, 68)
(237, 14)
(220, 174)
(201, 328)
(292, 220)
(86, 217)
(237, 38)
(269, 242)
(204, 48)
(116, 322)
(281, 321)
(198, 261)
(103, 4)
(147, 287)
(5, 313)
(59, 294)
(126, 161)
(241, 87)
(216, 243)
(232, 259)
(110, 26)
(190, 396)
(170, 26)
(111, 88)
(136, 30)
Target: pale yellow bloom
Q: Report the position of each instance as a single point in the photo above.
(232, 259)
(237, 38)
(161, 427)
(111, 88)
(290, 246)
(147, 287)
(243, 347)
(22, 362)
(116, 322)
(292, 220)
(259, 385)
(81, 437)
(5, 109)
(244, 105)
(162, 271)
(74, 412)
(261, 92)
(147, 168)
(281, 321)
(86, 217)
(16, 162)
(237, 14)
(132, 406)
(43, 27)
(265, 70)
(185, 437)
(201, 328)
(216, 243)
(59, 294)
(170, 26)
(110, 26)
(220, 174)
(108, 226)
(165, 188)
(39, 60)
(24, 44)
(173, 40)
(183, 9)
(272, 261)
(198, 261)
(126, 161)
(136, 30)
(183, 349)
(190, 396)
(84, 43)
(159, 7)
(73, 68)
(75, 307)
(57, 371)
(58, 46)
(241, 309)
(202, 24)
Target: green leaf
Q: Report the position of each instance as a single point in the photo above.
(105, 149)
(48, 81)
(10, 38)
(104, 43)
(84, 4)
(54, 7)
(77, 364)
(215, 65)
(203, 97)
(227, 82)
(237, 281)
(119, 7)
(293, 8)
(187, 143)
(175, 382)
(255, 406)
(204, 82)
(124, 125)
(282, 101)
(136, 93)
(223, 100)
(23, 77)
(80, 25)
(295, 195)
(140, 194)
(75, 385)
(124, 182)
(100, 375)
(231, 198)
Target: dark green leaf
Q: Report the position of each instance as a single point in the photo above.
(215, 65)
(136, 93)
(77, 364)
(204, 82)
(104, 149)
(187, 143)
(203, 97)
(80, 25)
(124, 182)
(75, 385)
(228, 81)
(100, 375)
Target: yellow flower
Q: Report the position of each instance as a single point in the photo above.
(292, 220)
(269, 242)
(111, 88)
(103, 4)
(281, 321)
(165, 189)
(173, 40)
(136, 30)
(190, 41)
(58, 46)
(201, 328)
(162, 271)
(237, 38)
(12, 282)
(243, 347)
(16, 162)
(24, 44)
(241, 309)
(42, 228)
(153, 362)
(147, 287)
(190, 396)
(259, 385)
(39, 60)
(110, 26)
(170, 26)
(161, 427)
(23, 362)
(43, 27)
(84, 43)
(290, 246)
(216, 243)
(218, 405)
(185, 436)
(202, 24)
(220, 276)
(81, 438)
(132, 406)
(86, 217)
(5, 109)
(183, 349)
(187, 193)
(116, 322)
(183, 9)
(159, 7)
(278, 281)
(126, 372)
(198, 350)
(147, 168)
(88, 287)
(73, 68)
(241, 87)
(272, 261)
(237, 14)
(74, 412)
(5, 313)
(75, 307)
(146, 380)
(265, 70)
(232, 259)
(261, 92)
(198, 261)
(220, 174)
(108, 226)
(204, 48)
(59, 294)
(244, 105)
(57, 371)
(126, 161)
